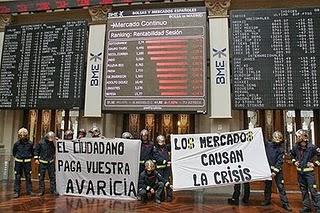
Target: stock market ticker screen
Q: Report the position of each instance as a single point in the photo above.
(156, 60)
(43, 65)
(276, 58)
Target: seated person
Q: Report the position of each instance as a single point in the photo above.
(151, 183)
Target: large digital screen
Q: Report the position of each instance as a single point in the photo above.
(156, 60)
(276, 58)
(43, 65)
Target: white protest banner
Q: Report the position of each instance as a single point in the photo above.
(96, 167)
(207, 160)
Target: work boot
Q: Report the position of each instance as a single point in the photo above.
(287, 207)
(55, 193)
(305, 209)
(245, 201)
(31, 194)
(232, 201)
(266, 203)
(15, 195)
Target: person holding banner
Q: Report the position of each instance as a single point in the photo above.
(146, 152)
(302, 155)
(151, 182)
(275, 155)
(162, 158)
(22, 153)
(44, 155)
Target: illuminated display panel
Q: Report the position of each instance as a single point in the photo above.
(155, 60)
(275, 58)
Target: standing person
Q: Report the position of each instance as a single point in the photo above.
(236, 194)
(302, 155)
(150, 181)
(275, 155)
(163, 162)
(22, 153)
(82, 133)
(146, 151)
(44, 155)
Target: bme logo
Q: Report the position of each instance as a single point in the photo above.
(95, 68)
(220, 65)
(219, 53)
(95, 57)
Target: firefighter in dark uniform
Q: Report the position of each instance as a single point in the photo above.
(303, 155)
(44, 154)
(82, 133)
(146, 151)
(22, 153)
(151, 182)
(163, 163)
(275, 155)
(68, 135)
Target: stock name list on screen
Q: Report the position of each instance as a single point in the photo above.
(275, 58)
(43, 65)
(155, 60)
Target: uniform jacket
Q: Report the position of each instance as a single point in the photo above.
(304, 155)
(275, 154)
(148, 181)
(161, 155)
(146, 152)
(45, 150)
(22, 149)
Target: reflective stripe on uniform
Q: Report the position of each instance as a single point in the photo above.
(142, 161)
(317, 162)
(305, 169)
(161, 166)
(22, 160)
(275, 169)
(45, 161)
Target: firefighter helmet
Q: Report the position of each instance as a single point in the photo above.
(149, 166)
(22, 133)
(82, 133)
(144, 132)
(302, 136)
(50, 136)
(127, 135)
(161, 140)
(95, 132)
(68, 135)
(277, 137)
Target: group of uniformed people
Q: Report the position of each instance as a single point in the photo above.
(44, 156)
(155, 166)
(305, 156)
(43, 153)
